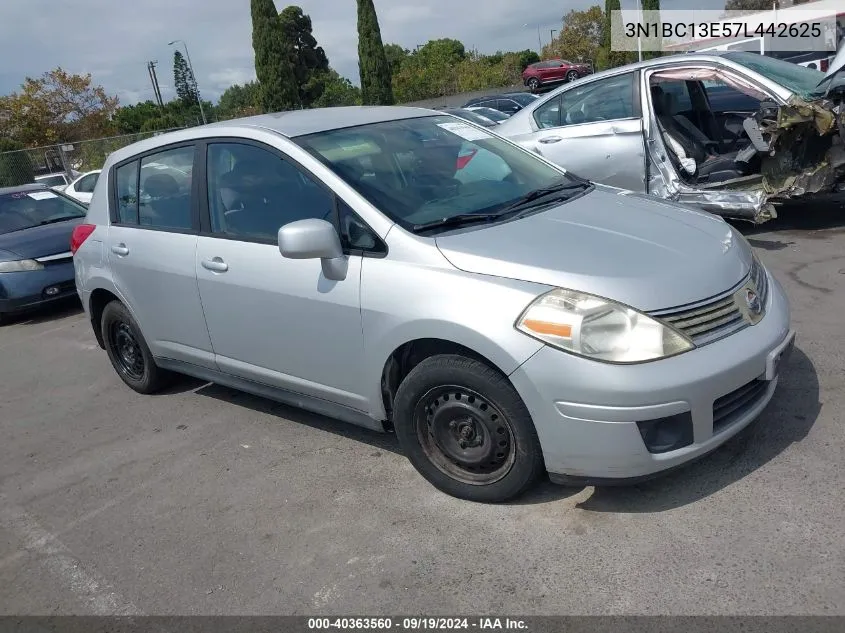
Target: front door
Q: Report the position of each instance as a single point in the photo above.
(274, 320)
(152, 244)
(595, 130)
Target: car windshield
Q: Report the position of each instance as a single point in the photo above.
(26, 209)
(432, 168)
(799, 79)
(51, 181)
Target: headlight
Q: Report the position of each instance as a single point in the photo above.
(20, 265)
(598, 328)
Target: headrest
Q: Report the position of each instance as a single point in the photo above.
(161, 185)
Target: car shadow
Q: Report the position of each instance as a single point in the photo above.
(787, 420)
(384, 441)
(59, 309)
(805, 217)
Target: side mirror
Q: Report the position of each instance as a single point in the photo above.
(314, 239)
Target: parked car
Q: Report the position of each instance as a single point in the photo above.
(509, 103)
(469, 115)
(553, 71)
(57, 182)
(518, 322)
(83, 187)
(490, 113)
(734, 133)
(36, 266)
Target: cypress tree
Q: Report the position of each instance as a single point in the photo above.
(273, 57)
(183, 80)
(373, 68)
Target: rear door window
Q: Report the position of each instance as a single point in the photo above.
(156, 191)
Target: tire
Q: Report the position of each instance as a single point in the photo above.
(128, 351)
(572, 75)
(533, 84)
(465, 429)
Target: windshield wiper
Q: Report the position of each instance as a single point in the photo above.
(532, 197)
(456, 220)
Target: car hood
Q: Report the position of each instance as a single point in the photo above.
(39, 241)
(628, 247)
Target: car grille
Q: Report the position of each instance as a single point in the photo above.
(734, 405)
(716, 318)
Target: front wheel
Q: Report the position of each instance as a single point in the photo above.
(572, 75)
(465, 429)
(534, 84)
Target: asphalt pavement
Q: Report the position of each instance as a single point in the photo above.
(203, 500)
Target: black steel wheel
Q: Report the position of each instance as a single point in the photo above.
(464, 435)
(128, 351)
(464, 428)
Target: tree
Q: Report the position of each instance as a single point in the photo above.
(395, 56)
(751, 6)
(184, 81)
(131, 119)
(238, 101)
(15, 167)
(606, 57)
(273, 55)
(309, 61)
(580, 36)
(652, 5)
(376, 88)
(445, 50)
(526, 58)
(338, 91)
(58, 106)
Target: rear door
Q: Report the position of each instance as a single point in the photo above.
(595, 130)
(152, 242)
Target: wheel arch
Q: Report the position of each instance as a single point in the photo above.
(407, 355)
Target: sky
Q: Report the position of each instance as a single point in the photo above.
(114, 39)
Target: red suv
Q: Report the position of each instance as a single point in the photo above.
(553, 71)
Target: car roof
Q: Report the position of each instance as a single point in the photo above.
(291, 124)
(27, 187)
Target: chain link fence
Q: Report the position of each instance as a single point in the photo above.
(25, 165)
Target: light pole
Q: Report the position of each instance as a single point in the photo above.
(552, 32)
(193, 76)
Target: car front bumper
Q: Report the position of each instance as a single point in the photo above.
(28, 289)
(586, 412)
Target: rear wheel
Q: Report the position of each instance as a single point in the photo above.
(466, 430)
(572, 75)
(128, 351)
(534, 84)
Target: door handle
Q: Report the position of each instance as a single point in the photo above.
(120, 249)
(550, 139)
(215, 264)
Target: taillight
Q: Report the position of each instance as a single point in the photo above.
(463, 161)
(79, 235)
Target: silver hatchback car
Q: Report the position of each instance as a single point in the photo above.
(409, 271)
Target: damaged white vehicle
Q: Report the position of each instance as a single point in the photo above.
(732, 133)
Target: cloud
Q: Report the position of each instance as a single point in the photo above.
(114, 40)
